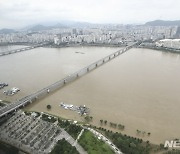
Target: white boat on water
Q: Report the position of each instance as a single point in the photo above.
(66, 106)
(82, 109)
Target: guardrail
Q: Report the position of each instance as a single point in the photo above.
(45, 91)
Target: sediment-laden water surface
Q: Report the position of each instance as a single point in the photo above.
(35, 69)
(139, 89)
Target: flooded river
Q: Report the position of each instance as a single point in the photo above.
(139, 89)
(35, 69)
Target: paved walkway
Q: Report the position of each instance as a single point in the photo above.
(106, 140)
(73, 142)
(78, 137)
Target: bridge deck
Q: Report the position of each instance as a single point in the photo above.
(21, 49)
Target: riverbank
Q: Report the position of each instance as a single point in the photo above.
(18, 43)
(84, 45)
(51, 44)
(161, 49)
(126, 143)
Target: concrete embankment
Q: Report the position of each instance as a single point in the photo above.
(161, 49)
(85, 44)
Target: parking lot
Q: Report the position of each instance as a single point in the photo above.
(28, 133)
(33, 135)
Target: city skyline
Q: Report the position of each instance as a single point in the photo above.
(20, 13)
(85, 77)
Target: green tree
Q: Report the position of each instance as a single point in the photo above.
(91, 118)
(48, 107)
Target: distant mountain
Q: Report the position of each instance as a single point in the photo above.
(163, 23)
(38, 28)
(67, 24)
(75, 24)
(59, 25)
(6, 31)
(80, 24)
(72, 24)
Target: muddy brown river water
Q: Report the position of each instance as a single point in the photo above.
(139, 89)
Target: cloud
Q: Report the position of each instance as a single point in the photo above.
(18, 13)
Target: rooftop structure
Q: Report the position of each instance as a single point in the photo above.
(169, 43)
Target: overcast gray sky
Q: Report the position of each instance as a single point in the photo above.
(19, 13)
